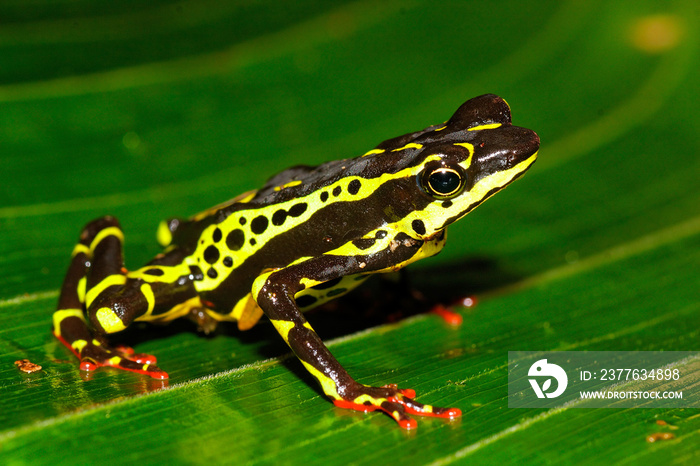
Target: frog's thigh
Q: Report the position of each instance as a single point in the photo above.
(115, 307)
(69, 321)
(73, 290)
(111, 300)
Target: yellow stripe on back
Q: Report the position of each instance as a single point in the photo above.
(374, 151)
(410, 145)
(487, 126)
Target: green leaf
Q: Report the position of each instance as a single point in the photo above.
(158, 109)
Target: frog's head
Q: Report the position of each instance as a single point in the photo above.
(473, 156)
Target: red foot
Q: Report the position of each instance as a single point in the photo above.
(124, 350)
(408, 424)
(143, 358)
(451, 317)
(410, 407)
(87, 366)
(450, 413)
(355, 406)
(127, 354)
(152, 372)
(448, 315)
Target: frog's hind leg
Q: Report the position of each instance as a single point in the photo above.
(96, 266)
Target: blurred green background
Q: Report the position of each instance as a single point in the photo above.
(146, 111)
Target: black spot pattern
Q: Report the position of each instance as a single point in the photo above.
(354, 187)
(328, 284)
(211, 273)
(324, 196)
(155, 272)
(298, 209)
(447, 204)
(418, 226)
(259, 224)
(211, 254)
(306, 300)
(235, 239)
(253, 242)
(380, 234)
(228, 261)
(337, 190)
(217, 235)
(279, 217)
(363, 243)
(242, 220)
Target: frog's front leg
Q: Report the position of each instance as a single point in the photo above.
(275, 293)
(96, 284)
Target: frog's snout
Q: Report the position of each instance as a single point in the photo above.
(528, 145)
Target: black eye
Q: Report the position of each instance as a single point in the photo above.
(443, 182)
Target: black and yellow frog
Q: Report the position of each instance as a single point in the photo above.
(309, 235)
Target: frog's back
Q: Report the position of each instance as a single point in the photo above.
(405, 191)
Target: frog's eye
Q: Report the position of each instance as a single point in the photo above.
(443, 182)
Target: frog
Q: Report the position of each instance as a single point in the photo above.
(309, 235)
